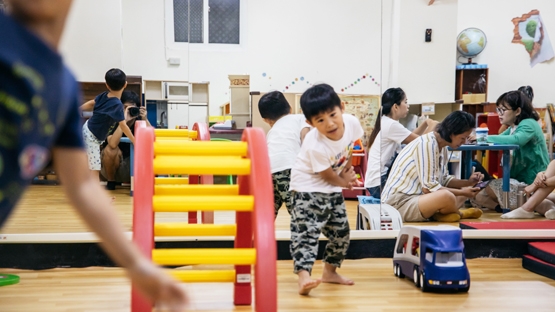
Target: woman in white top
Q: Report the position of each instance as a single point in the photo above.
(390, 134)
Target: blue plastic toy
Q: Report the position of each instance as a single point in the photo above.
(433, 256)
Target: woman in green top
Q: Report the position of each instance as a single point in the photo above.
(516, 112)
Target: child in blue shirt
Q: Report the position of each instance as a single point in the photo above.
(39, 117)
(107, 113)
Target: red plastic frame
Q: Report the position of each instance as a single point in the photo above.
(143, 215)
(258, 224)
(259, 184)
(203, 134)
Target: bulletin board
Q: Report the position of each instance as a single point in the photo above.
(365, 108)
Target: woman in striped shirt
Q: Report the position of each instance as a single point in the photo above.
(419, 185)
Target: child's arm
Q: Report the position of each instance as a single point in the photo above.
(92, 203)
(332, 178)
(127, 131)
(304, 131)
(114, 139)
(345, 179)
(88, 106)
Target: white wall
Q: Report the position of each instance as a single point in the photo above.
(425, 70)
(144, 49)
(92, 41)
(330, 41)
(509, 63)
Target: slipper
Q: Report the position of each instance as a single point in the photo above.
(470, 213)
(450, 217)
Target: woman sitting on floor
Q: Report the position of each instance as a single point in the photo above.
(389, 134)
(542, 200)
(515, 111)
(419, 185)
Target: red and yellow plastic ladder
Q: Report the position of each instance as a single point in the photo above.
(199, 132)
(251, 198)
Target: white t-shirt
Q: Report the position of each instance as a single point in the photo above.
(319, 153)
(387, 143)
(284, 141)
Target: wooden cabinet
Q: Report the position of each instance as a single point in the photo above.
(471, 85)
(178, 115)
(239, 101)
(476, 109)
(176, 103)
(91, 89)
(197, 113)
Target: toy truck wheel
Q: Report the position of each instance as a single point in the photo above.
(395, 268)
(423, 285)
(399, 272)
(416, 277)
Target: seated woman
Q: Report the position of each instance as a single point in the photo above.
(389, 135)
(529, 92)
(516, 112)
(419, 185)
(542, 200)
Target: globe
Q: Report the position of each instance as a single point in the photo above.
(471, 42)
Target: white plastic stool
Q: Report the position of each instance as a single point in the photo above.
(378, 217)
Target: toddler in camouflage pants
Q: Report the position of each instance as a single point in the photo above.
(317, 213)
(321, 170)
(284, 142)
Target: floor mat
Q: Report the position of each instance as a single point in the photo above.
(538, 266)
(543, 250)
(509, 225)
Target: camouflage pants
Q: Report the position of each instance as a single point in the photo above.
(282, 195)
(312, 214)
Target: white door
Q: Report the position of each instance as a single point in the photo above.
(178, 115)
(198, 113)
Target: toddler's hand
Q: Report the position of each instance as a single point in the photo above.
(349, 175)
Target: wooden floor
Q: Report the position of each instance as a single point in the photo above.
(45, 209)
(496, 285)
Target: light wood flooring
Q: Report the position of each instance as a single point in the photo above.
(45, 209)
(496, 285)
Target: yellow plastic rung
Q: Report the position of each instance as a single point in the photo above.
(181, 133)
(203, 276)
(186, 229)
(158, 181)
(199, 148)
(174, 139)
(186, 256)
(162, 203)
(197, 189)
(218, 165)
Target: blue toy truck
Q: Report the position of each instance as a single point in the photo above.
(433, 256)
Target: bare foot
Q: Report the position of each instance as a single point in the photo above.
(306, 284)
(334, 278)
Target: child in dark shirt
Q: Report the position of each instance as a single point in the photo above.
(39, 116)
(107, 113)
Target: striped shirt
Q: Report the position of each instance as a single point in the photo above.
(421, 164)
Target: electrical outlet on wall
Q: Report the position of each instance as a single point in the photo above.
(428, 35)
